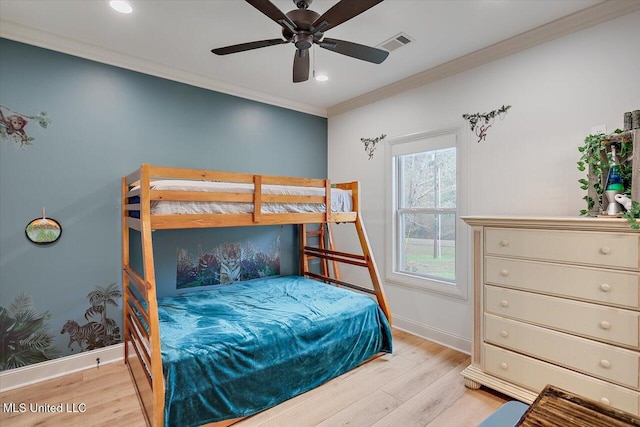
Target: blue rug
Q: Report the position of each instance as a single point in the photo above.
(506, 416)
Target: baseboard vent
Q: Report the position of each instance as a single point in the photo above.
(395, 42)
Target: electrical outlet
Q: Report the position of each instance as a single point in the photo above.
(599, 130)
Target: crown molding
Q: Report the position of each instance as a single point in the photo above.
(593, 15)
(596, 14)
(20, 33)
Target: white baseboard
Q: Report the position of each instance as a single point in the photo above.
(43, 371)
(433, 334)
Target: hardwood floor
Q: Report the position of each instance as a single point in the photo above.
(418, 385)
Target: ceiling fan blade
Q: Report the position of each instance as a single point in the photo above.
(269, 9)
(341, 12)
(355, 50)
(247, 46)
(301, 66)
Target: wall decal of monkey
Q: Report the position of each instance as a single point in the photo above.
(13, 124)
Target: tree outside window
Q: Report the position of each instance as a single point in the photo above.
(426, 214)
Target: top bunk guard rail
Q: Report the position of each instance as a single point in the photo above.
(141, 196)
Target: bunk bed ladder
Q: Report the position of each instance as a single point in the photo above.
(365, 260)
(324, 237)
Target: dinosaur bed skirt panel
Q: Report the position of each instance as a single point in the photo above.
(238, 349)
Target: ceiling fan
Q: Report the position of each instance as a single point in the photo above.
(304, 27)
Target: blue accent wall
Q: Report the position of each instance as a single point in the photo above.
(105, 122)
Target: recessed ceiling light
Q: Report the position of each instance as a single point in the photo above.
(121, 6)
(322, 77)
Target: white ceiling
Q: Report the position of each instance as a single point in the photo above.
(173, 39)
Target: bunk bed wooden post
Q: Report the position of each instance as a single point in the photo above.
(257, 197)
(373, 268)
(336, 270)
(125, 262)
(302, 238)
(141, 328)
(327, 201)
(366, 248)
(150, 281)
(321, 240)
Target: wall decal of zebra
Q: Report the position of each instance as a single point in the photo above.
(86, 333)
(101, 330)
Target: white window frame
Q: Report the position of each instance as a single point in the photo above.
(416, 143)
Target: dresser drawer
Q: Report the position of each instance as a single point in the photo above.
(590, 248)
(535, 375)
(580, 354)
(594, 284)
(610, 324)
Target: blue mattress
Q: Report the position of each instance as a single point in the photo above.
(239, 349)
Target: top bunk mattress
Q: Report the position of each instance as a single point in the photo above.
(341, 200)
(235, 350)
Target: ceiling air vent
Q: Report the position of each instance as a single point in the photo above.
(395, 42)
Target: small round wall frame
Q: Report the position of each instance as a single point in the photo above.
(43, 231)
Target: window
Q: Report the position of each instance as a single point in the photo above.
(424, 248)
(426, 213)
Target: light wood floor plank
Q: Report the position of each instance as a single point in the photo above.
(325, 392)
(411, 383)
(425, 406)
(418, 385)
(469, 410)
(364, 412)
(420, 351)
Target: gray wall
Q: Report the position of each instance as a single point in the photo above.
(105, 122)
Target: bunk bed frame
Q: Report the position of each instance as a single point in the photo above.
(141, 322)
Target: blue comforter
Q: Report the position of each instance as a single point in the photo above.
(239, 349)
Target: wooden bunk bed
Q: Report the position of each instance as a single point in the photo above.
(150, 196)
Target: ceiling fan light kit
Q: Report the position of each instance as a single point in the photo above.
(304, 28)
(121, 6)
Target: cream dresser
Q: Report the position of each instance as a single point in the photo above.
(557, 301)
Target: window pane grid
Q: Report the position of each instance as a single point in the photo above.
(425, 214)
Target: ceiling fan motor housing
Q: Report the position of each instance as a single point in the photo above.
(303, 36)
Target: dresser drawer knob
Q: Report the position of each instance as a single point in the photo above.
(505, 273)
(504, 366)
(605, 325)
(604, 401)
(605, 287)
(504, 243)
(605, 363)
(504, 334)
(605, 250)
(504, 303)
